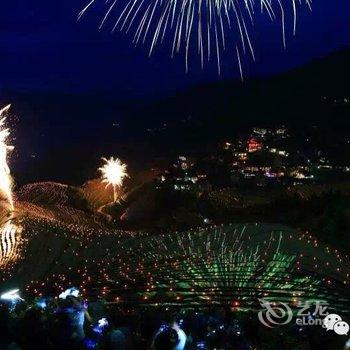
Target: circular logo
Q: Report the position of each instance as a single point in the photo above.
(274, 314)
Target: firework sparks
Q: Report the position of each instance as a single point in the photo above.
(206, 23)
(10, 234)
(5, 177)
(113, 173)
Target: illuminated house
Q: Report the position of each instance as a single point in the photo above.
(260, 132)
(279, 152)
(253, 145)
(281, 131)
(240, 156)
(183, 163)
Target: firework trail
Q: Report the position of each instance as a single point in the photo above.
(207, 23)
(5, 177)
(10, 239)
(9, 232)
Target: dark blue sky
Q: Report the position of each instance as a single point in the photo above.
(43, 47)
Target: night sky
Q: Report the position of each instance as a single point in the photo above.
(45, 51)
(44, 48)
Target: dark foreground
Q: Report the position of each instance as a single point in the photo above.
(72, 323)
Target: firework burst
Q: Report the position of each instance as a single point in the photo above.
(205, 24)
(113, 173)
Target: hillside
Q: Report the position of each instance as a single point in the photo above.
(217, 265)
(293, 97)
(192, 119)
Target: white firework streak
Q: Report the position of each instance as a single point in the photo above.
(206, 22)
(10, 235)
(5, 176)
